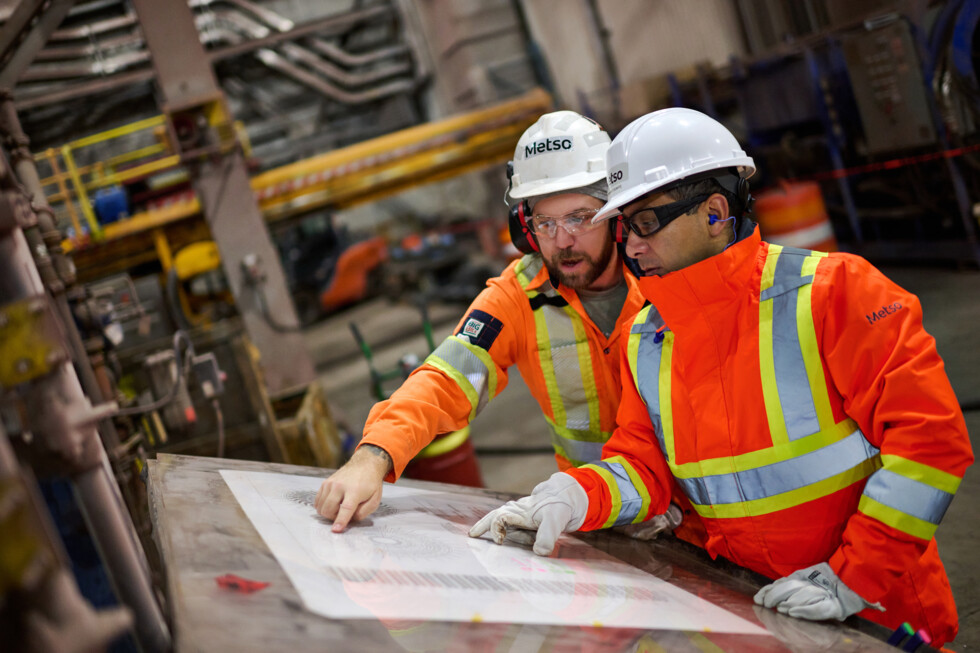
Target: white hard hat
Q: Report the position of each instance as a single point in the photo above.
(665, 147)
(561, 151)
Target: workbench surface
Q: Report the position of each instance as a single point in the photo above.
(202, 534)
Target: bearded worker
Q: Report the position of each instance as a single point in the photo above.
(556, 314)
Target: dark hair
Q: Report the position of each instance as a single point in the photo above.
(706, 187)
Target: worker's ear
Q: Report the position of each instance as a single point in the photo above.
(718, 212)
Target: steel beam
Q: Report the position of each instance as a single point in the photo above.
(25, 33)
(186, 81)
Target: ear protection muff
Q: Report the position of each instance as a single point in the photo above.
(520, 234)
(742, 193)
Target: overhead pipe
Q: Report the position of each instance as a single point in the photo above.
(278, 62)
(244, 24)
(336, 53)
(65, 93)
(94, 67)
(339, 75)
(98, 27)
(99, 66)
(272, 19)
(50, 53)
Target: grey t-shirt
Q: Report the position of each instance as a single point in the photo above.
(604, 306)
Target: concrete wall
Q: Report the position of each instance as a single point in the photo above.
(646, 39)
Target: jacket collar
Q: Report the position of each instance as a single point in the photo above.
(711, 285)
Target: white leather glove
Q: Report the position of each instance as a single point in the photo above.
(651, 528)
(814, 593)
(555, 506)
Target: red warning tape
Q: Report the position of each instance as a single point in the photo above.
(891, 164)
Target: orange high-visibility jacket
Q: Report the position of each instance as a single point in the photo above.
(569, 365)
(797, 400)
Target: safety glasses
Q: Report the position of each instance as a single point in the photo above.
(575, 223)
(649, 221)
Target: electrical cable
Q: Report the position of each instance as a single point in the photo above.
(180, 363)
(267, 315)
(173, 299)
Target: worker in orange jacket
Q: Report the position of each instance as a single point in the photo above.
(793, 395)
(556, 314)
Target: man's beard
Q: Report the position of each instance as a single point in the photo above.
(579, 280)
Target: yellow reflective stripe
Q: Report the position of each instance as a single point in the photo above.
(922, 473)
(807, 333)
(666, 407)
(440, 446)
(641, 488)
(795, 497)
(548, 367)
(578, 435)
(617, 501)
(767, 456)
(528, 263)
(897, 519)
(460, 380)
(767, 370)
(769, 269)
(767, 361)
(587, 444)
(632, 352)
(633, 346)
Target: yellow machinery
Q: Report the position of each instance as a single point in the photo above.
(342, 178)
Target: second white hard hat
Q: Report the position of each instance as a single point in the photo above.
(666, 147)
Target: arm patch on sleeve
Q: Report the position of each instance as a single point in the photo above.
(480, 329)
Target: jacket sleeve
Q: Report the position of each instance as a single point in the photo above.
(632, 481)
(894, 385)
(455, 382)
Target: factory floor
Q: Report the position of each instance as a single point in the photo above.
(951, 304)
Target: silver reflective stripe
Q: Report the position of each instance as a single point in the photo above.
(648, 372)
(563, 344)
(528, 268)
(792, 384)
(908, 496)
(630, 499)
(457, 355)
(784, 476)
(578, 452)
(566, 371)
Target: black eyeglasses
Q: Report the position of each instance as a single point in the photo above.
(649, 221)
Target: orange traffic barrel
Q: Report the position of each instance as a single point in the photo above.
(794, 215)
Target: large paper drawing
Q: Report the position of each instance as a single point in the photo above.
(413, 560)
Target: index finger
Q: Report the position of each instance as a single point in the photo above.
(482, 526)
(344, 513)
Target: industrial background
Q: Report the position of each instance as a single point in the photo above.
(228, 227)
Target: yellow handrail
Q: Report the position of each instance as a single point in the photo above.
(93, 224)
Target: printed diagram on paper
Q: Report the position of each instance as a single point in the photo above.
(412, 559)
